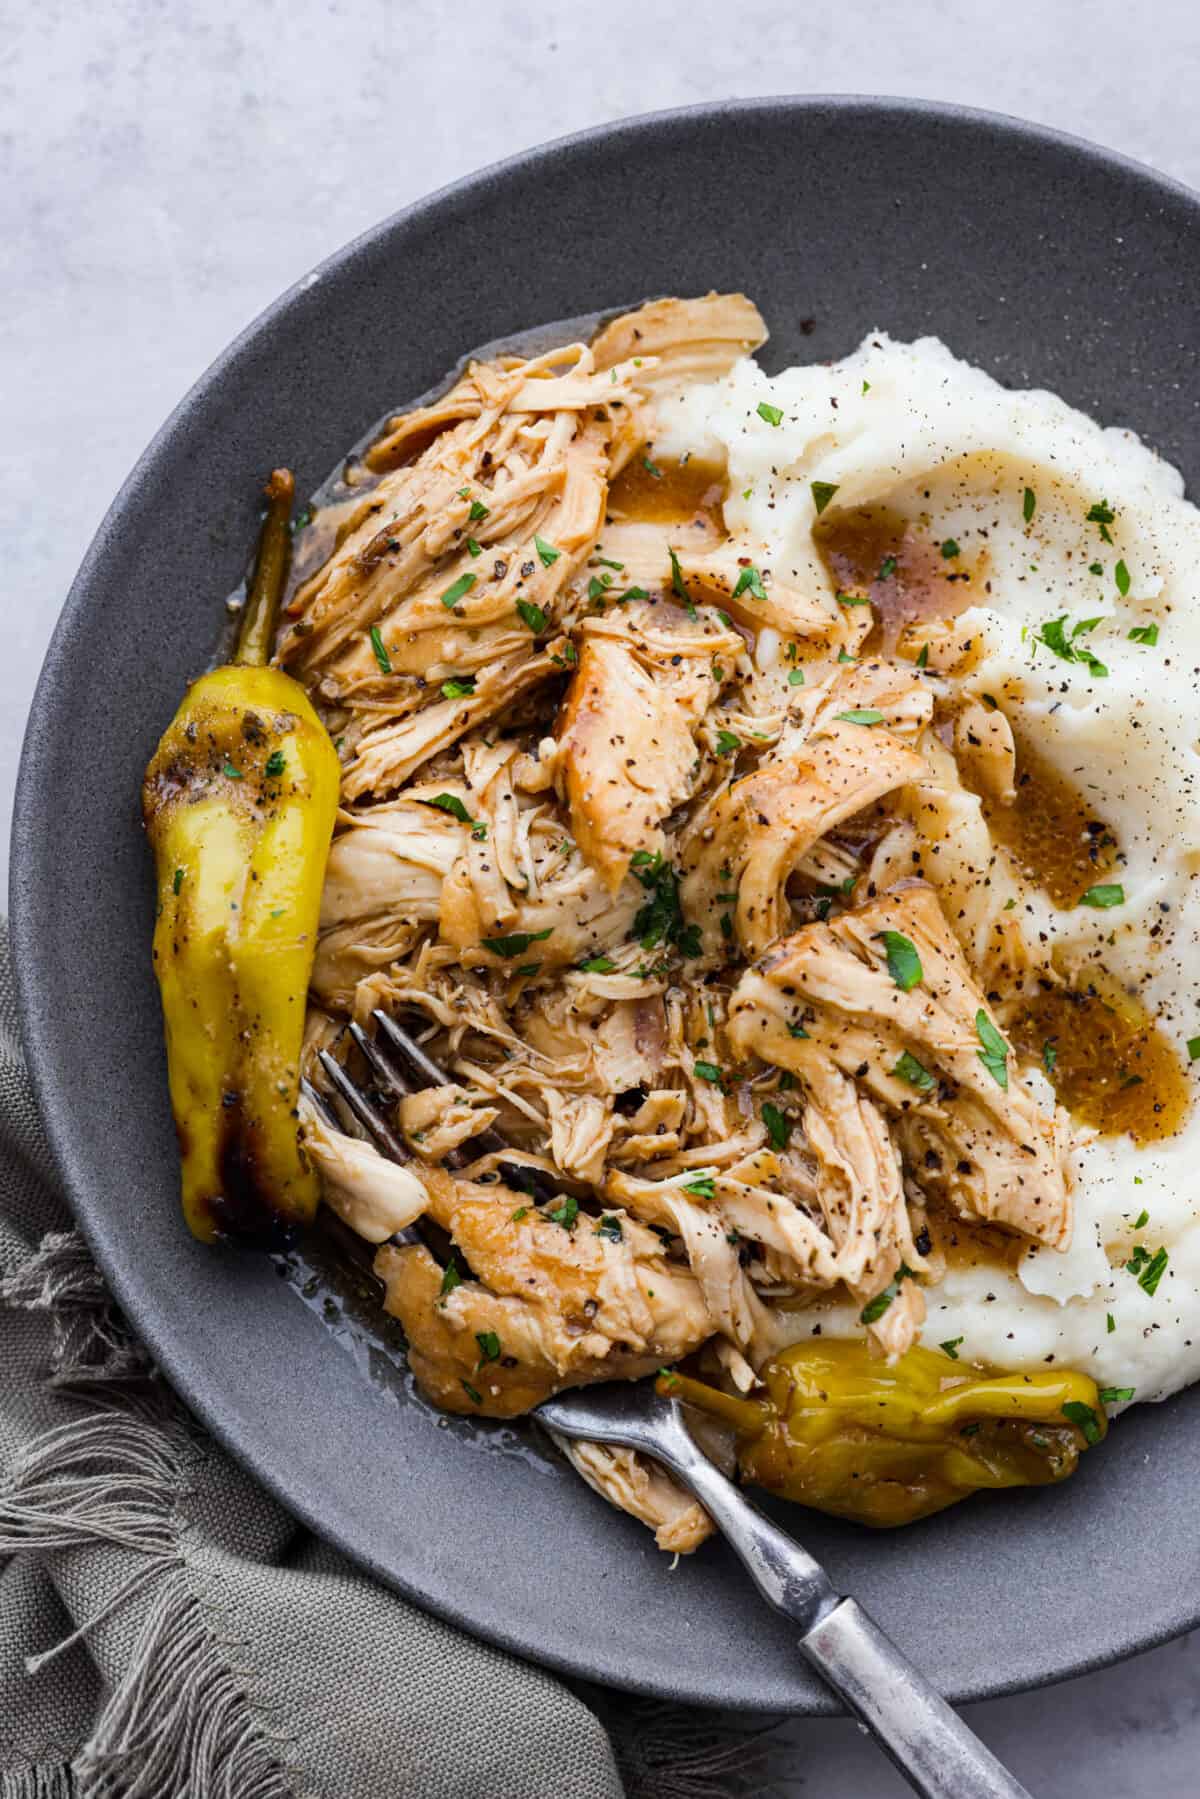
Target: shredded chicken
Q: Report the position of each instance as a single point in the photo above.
(598, 756)
(742, 847)
(374, 1197)
(565, 1306)
(824, 1005)
(627, 753)
(641, 1487)
(690, 340)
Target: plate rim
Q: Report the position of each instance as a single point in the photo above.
(37, 746)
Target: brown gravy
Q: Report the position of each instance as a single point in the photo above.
(1114, 1069)
(668, 493)
(874, 553)
(1051, 831)
(967, 1244)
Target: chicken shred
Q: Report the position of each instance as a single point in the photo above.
(566, 1306)
(976, 1131)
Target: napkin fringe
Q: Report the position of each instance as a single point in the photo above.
(178, 1722)
(667, 1751)
(45, 1780)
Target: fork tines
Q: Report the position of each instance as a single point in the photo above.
(400, 1067)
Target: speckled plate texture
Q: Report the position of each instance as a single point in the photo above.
(1047, 262)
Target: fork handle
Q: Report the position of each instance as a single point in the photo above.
(935, 1751)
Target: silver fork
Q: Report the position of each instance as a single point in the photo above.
(929, 1743)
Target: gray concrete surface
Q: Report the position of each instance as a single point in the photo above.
(166, 169)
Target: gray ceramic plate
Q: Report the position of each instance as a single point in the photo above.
(1045, 261)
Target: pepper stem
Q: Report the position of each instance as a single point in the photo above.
(748, 1417)
(257, 632)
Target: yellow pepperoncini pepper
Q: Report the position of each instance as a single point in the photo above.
(845, 1433)
(239, 801)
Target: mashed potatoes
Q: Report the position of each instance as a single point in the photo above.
(1043, 516)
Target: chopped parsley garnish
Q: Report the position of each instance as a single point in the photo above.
(1148, 1268)
(517, 943)
(864, 716)
(923, 658)
(275, 764)
(652, 468)
(1193, 1049)
(679, 586)
(708, 1071)
(1106, 895)
(822, 491)
(450, 1278)
(457, 589)
(633, 593)
(380, 649)
(1029, 504)
(660, 918)
(779, 1128)
(609, 1227)
(565, 1212)
(607, 562)
(462, 688)
(450, 802)
(1142, 1218)
(230, 772)
(728, 743)
(546, 551)
(598, 586)
(1112, 1323)
(1144, 634)
(478, 511)
(875, 1308)
(1095, 568)
(472, 1394)
(770, 415)
(177, 883)
(1121, 577)
(529, 968)
(1049, 1056)
(904, 964)
(489, 1346)
(752, 580)
(796, 677)
(531, 615)
(915, 1073)
(798, 1031)
(887, 569)
(1076, 1412)
(1102, 515)
(701, 1186)
(598, 965)
(994, 1053)
(476, 549)
(1053, 634)
(950, 1347)
(516, 1217)
(950, 550)
(1115, 1395)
